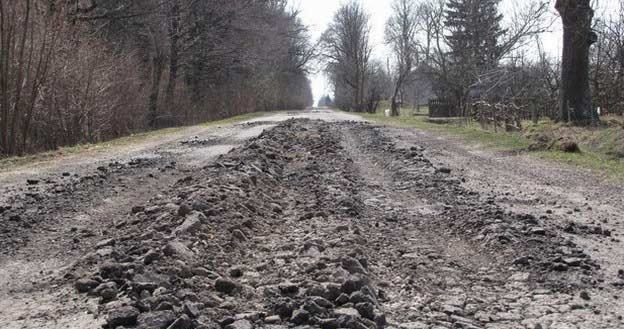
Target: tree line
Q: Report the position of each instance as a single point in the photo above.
(75, 71)
(468, 55)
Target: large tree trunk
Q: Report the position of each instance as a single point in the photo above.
(575, 102)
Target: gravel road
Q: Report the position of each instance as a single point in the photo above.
(309, 219)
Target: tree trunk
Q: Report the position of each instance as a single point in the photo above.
(19, 82)
(394, 106)
(174, 36)
(5, 60)
(157, 70)
(575, 102)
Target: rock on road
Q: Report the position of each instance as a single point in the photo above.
(309, 219)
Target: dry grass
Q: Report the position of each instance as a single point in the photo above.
(602, 148)
(11, 162)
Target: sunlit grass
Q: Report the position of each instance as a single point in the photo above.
(594, 157)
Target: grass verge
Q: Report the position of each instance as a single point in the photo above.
(595, 159)
(12, 162)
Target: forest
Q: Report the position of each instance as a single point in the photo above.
(82, 71)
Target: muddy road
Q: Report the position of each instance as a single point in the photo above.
(314, 219)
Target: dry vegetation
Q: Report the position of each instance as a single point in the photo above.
(89, 70)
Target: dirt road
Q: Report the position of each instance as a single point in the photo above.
(331, 224)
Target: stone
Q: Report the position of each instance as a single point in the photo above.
(199, 206)
(573, 261)
(584, 295)
(348, 311)
(146, 283)
(156, 320)
(238, 234)
(178, 249)
(107, 291)
(191, 309)
(226, 321)
(414, 325)
(285, 307)
(123, 316)
(183, 322)
(366, 310)
(191, 223)
(151, 256)
(251, 316)
(164, 306)
(236, 272)
(322, 302)
(361, 297)
(559, 267)
(138, 209)
(184, 210)
(353, 283)
(352, 265)
(105, 243)
(452, 310)
(225, 286)
(300, 317)
(524, 260)
(240, 324)
(104, 252)
(342, 299)
(85, 285)
(273, 319)
(380, 320)
(327, 290)
(288, 288)
(200, 271)
(111, 270)
(313, 308)
(328, 323)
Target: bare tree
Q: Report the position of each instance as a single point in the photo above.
(378, 86)
(401, 35)
(347, 52)
(607, 64)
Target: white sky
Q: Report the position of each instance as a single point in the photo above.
(318, 13)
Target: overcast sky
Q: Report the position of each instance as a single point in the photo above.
(318, 13)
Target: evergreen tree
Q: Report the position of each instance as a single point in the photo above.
(325, 101)
(475, 29)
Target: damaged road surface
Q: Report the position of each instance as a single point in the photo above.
(311, 224)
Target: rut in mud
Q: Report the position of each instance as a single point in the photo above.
(332, 225)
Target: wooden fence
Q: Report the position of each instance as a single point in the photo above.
(443, 109)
